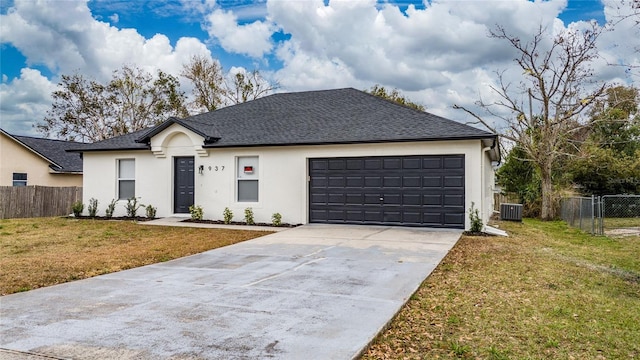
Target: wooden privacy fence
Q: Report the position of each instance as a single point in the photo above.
(37, 201)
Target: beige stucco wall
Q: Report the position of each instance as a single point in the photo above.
(15, 158)
(283, 186)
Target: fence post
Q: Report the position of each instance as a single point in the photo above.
(593, 210)
(600, 215)
(580, 214)
(604, 209)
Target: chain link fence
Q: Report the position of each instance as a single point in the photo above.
(620, 215)
(606, 215)
(581, 212)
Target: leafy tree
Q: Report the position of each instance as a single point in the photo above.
(616, 122)
(208, 82)
(395, 96)
(602, 171)
(519, 175)
(87, 110)
(608, 160)
(212, 89)
(555, 72)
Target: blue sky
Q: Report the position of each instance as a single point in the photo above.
(436, 53)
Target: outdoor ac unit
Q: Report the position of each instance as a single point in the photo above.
(511, 212)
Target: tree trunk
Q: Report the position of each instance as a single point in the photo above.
(548, 209)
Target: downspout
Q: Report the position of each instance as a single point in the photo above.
(483, 210)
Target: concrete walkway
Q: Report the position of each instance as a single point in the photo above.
(312, 292)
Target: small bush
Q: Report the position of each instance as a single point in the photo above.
(276, 219)
(227, 215)
(248, 216)
(93, 207)
(150, 211)
(77, 208)
(132, 207)
(196, 212)
(110, 208)
(474, 217)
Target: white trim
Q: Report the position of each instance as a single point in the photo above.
(119, 178)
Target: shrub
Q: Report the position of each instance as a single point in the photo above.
(132, 207)
(474, 217)
(93, 207)
(276, 219)
(77, 208)
(248, 216)
(110, 209)
(151, 211)
(196, 212)
(227, 215)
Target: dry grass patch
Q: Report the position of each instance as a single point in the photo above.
(546, 292)
(612, 223)
(46, 251)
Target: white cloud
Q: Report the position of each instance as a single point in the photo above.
(409, 50)
(438, 55)
(72, 40)
(25, 101)
(252, 39)
(114, 18)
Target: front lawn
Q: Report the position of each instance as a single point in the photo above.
(47, 251)
(546, 292)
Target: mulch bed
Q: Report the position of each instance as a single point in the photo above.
(479, 233)
(220, 222)
(137, 218)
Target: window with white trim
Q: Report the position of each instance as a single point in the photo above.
(247, 179)
(126, 179)
(19, 179)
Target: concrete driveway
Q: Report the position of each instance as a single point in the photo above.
(313, 292)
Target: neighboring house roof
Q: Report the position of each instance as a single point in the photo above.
(339, 116)
(53, 151)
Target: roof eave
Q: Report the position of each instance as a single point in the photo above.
(454, 138)
(53, 163)
(107, 149)
(67, 172)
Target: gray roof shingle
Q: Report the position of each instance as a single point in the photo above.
(55, 151)
(338, 116)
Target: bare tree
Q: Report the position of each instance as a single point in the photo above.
(627, 10)
(247, 86)
(212, 89)
(557, 84)
(87, 110)
(208, 82)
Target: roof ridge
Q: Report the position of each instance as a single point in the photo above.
(47, 139)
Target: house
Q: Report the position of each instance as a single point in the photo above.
(26, 160)
(332, 156)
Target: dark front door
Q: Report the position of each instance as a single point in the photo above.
(183, 184)
(388, 190)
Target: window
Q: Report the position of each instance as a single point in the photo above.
(247, 175)
(19, 179)
(126, 179)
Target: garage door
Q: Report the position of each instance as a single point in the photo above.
(390, 190)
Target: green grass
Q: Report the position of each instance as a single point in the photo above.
(545, 292)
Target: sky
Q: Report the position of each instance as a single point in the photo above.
(435, 52)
